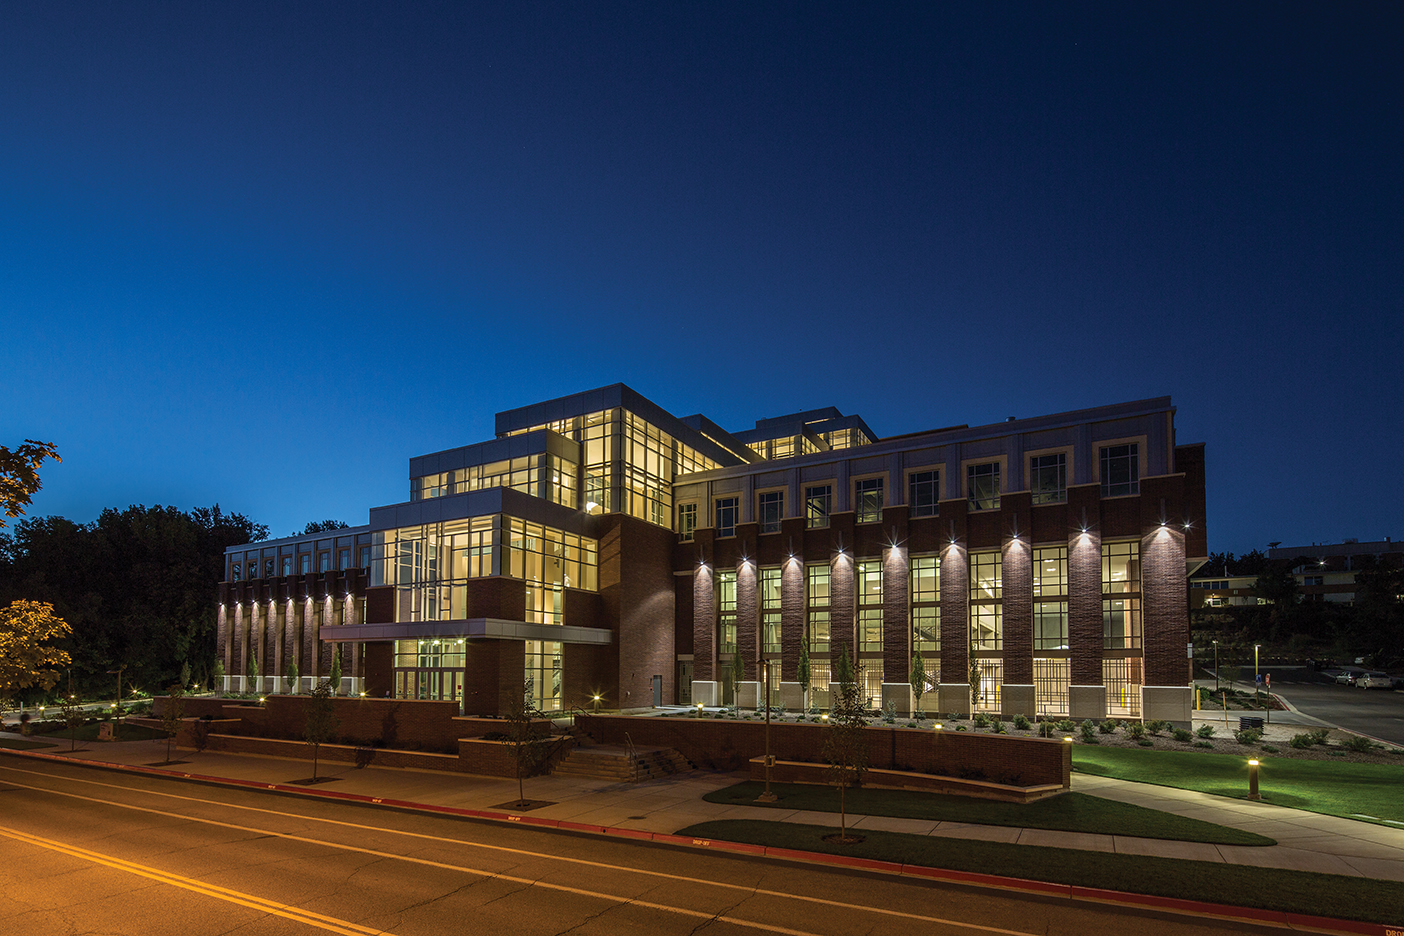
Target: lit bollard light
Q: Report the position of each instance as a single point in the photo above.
(1253, 780)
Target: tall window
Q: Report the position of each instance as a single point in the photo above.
(1121, 470)
(234, 572)
(925, 590)
(728, 513)
(687, 522)
(867, 496)
(365, 557)
(726, 612)
(982, 485)
(770, 610)
(324, 562)
(1048, 478)
(1121, 596)
(818, 504)
(923, 493)
(287, 566)
(817, 593)
(1050, 588)
(986, 601)
(869, 607)
(343, 560)
(770, 507)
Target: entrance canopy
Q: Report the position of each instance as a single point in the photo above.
(490, 628)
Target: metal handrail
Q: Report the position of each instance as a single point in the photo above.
(633, 755)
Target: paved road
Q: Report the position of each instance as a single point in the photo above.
(94, 852)
(1375, 712)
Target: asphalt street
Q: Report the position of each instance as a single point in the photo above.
(94, 852)
(1375, 712)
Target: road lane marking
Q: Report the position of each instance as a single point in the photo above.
(297, 914)
(755, 891)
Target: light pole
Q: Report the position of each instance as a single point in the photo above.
(117, 704)
(1216, 666)
(767, 796)
(1257, 680)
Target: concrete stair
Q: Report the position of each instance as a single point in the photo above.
(608, 762)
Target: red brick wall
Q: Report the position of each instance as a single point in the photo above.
(747, 619)
(730, 744)
(896, 629)
(842, 608)
(792, 617)
(955, 617)
(644, 599)
(1085, 586)
(1016, 582)
(704, 624)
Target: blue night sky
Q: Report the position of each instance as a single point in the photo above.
(261, 254)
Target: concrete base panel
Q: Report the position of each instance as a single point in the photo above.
(900, 694)
(952, 697)
(791, 696)
(1016, 700)
(704, 692)
(1086, 702)
(748, 695)
(1168, 703)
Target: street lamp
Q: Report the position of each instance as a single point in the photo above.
(117, 703)
(1257, 680)
(767, 796)
(1216, 666)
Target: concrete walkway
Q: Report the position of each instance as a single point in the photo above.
(1307, 841)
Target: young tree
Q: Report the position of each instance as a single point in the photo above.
(738, 673)
(185, 674)
(28, 630)
(73, 718)
(172, 714)
(291, 677)
(321, 720)
(974, 679)
(918, 677)
(803, 675)
(19, 475)
(253, 671)
(217, 675)
(845, 747)
(524, 735)
(334, 677)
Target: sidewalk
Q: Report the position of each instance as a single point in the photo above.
(1307, 841)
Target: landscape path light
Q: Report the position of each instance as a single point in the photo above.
(1253, 780)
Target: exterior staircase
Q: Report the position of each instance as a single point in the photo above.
(620, 764)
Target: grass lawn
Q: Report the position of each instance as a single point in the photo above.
(89, 732)
(1069, 812)
(19, 744)
(1328, 895)
(1336, 788)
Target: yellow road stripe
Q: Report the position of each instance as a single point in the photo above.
(760, 892)
(209, 890)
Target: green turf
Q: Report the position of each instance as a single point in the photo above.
(1328, 895)
(1069, 812)
(1331, 787)
(18, 744)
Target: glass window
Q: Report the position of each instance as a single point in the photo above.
(1121, 568)
(769, 585)
(982, 484)
(867, 496)
(869, 586)
(365, 557)
(1050, 625)
(687, 522)
(728, 513)
(1049, 478)
(324, 562)
(304, 563)
(1121, 590)
(1121, 471)
(986, 601)
(286, 566)
(770, 508)
(343, 559)
(1050, 571)
(817, 593)
(923, 493)
(818, 504)
(268, 568)
(234, 572)
(726, 612)
(925, 591)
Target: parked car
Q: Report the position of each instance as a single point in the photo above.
(1345, 678)
(1374, 681)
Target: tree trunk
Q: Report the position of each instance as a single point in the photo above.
(843, 817)
(314, 761)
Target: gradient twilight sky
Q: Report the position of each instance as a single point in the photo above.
(263, 253)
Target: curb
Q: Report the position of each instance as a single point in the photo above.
(1071, 892)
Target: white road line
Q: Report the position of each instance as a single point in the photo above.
(505, 877)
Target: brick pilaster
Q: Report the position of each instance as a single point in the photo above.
(955, 614)
(1016, 571)
(235, 662)
(896, 628)
(747, 619)
(842, 609)
(290, 638)
(1164, 616)
(792, 615)
(1084, 587)
(704, 624)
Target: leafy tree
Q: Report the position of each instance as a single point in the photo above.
(19, 475)
(738, 673)
(217, 674)
(28, 656)
(803, 675)
(185, 674)
(974, 680)
(253, 671)
(321, 526)
(72, 711)
(919, 677)
(172, 714)
(321, 720)
(845, 747)
(335, 676)
(524, 735)
(290, 677)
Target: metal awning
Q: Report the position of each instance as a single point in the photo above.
(482, 628)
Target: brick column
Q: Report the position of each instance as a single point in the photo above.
(747, 620)
(842, 609)
(269, 663)
(1016, 580)
(1164, 616)
(290, 635)
(704, 625)
(1087, 688)
(309, 635)
(323, 648)
(222, 635)
(235, 662)
(896, 632)
(953, 689)
(792, 612)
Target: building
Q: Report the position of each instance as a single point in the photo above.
(601, 547)
(1324, 572)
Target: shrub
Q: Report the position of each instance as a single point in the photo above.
(1183, 735)
(1088, 730)
(1136, 730)
(1145, 743)
(1205, 744)
(1107, 727)
(997, 726)
(1359, 744)
(1270, 749)
(1156, 726)
(1300, 741)
(911, 724)
(1205, 731)
(1248, 736)
(1021, 722)
(1066, 726)
(1320, 735)
(1046, 729)
(981, 720)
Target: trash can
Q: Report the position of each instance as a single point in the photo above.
(1249, 721)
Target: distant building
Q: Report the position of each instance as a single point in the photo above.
(1325, 572)
(601, 546)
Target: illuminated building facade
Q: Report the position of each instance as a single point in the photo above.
(600, 546)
